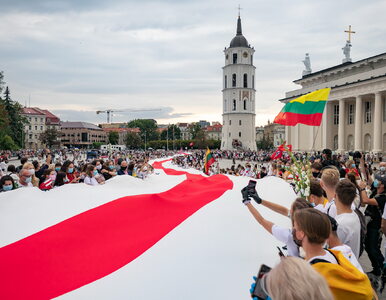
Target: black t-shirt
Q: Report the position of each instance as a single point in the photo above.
(375, 212)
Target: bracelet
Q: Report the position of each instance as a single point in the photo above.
(361, 190)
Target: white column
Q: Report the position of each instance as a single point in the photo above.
(341, 135)
(358, 123)
(378, 123)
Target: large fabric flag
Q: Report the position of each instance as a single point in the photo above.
(307, 109)
(208, 161)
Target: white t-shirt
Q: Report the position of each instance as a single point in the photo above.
(327, 256)
(284, 235)
(347, 252)
(330, 208)
(349, 230)
(90, 180)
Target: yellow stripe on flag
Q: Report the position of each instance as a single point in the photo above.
(319, 95)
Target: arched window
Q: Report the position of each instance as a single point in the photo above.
(234, 104)
(233, 80)
(239, 134)
(253, 81)
(230, 122)
(235, 58)
(240, 122)
(245, 80)
(225, 81)
(225, 105)
(245, 104)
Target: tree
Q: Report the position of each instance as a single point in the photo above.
(7, 143)
(264, 144)
(172, 133)
(96, 145)
(113, 137)
(49, 137)
(148, 128)
(1, 81)
(133, 140)
(195, 129)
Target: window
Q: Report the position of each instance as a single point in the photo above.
(336, 114)
(235, 58)
(29, 127)
(41, 120)
(239, 134)
(225, 82)
(234, 104)
(251, 59)
(225, 105)
(229, 134)
(245, 104)
(245, 80)
(253, 81)
(230, 122)
(233, 80)
(36, 119)
(240, 122)
(30, 136)
(350, 114)
(367, 112)
(41, 127)
(36, 128)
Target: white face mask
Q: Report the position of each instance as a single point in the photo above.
(99, 167)
(31, 171)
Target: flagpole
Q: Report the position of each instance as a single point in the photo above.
(316, 135)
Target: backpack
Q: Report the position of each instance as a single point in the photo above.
(344, 280)
(362, 220)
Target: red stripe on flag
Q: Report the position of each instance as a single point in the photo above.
(291, 119)
(98, 242)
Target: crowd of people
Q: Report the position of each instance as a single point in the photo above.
(342, 217)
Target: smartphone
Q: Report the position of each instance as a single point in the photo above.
(281, 254)
(260, 291)
(251, 186)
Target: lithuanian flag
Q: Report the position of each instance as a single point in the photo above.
(307, 109)
(208, 160)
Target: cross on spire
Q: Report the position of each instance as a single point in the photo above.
(239, 8)
(349, 33)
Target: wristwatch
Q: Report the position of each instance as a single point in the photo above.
(361, 190)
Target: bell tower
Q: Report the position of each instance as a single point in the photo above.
(238, 95)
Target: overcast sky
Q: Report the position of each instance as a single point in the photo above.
(76, 57)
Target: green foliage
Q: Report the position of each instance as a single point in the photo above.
(7, 143)
(96, 145)
(113, 138)
(148, 128)
(133, 140)
(49, 137)
(1, 81)
(16, 120)
(264, 144)
(172, 133)
(196, 130)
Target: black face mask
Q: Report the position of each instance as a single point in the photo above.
(123, 168)
(315, 174)
(297, 242)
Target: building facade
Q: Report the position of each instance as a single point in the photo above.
(213, 132)
(122, 133)
(81, 134)
(355, 114)
(238, 95)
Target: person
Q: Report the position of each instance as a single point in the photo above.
(58, 166)
(328, 182)
(123, 168)
(349, 227)
(336, 244)
(108, 170)
(71, 174)
(11, 171)
(7, 184)
(25, 178)
(327, 160)
(316, 169)
(48, 178)
(60, 179)
(23, 160)
(91, 172)
(282, 234)
(316, 195)
(294, 279)
(375, 207)
(312, 228)
(31, 169)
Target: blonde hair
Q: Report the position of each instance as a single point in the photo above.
(34, 179)
(295, 279)
(330, 177)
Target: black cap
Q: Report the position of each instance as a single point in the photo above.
(381, 178)
(327, 151)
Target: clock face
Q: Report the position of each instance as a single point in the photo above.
(245, 54)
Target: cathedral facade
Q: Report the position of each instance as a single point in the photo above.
(238, 95)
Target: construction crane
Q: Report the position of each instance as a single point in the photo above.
(109, 112)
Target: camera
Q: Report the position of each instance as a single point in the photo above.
(260, 291)
(250, 192)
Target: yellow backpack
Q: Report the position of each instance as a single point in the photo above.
(346, 282)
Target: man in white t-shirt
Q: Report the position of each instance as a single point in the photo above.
(349, 226)
(328, 182)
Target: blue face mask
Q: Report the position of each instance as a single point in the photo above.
(95, 172)
(353, 166)
(376, 183)
(57, 169)
(28, 179)
(70, 170)
(111, 167)
(7, 187)
(382, 169)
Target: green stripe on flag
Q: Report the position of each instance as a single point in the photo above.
(306, 108)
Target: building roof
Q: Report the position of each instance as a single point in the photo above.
(135, 130)
(31, 111)
(214, 128)
(50, 117)
(239, 40)
(351, 64)
(80, 125)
